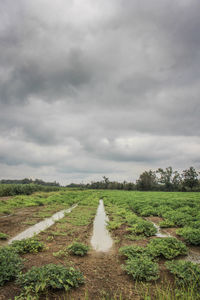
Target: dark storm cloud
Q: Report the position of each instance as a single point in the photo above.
(94, 87)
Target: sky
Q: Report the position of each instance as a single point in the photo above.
(98, 88)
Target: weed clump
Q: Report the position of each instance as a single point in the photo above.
(78, 249)
(30, 245)
(10, 264)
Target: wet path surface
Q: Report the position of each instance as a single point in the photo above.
(159, 232)
(101, 239)
(35, 229)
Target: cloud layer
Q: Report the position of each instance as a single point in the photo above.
(98, 88)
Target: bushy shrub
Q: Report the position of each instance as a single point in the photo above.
(78, 249)
(132, 251)
(3, 236)
(190, 235)
(30, 245)
(143, 227)
(10, 264)
(186, 273)
(167, 247)
(142, 268)
(40, 279)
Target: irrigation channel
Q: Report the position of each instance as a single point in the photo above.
(159, 233)
(35, 229)
(101, 239)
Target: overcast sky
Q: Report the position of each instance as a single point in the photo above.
(93, 88)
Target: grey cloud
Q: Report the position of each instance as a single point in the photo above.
(77, 80)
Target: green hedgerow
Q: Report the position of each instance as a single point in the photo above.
(30, 245)
(186, 273)
(78, 249)
(142, 268)
(190, 235)
(168, 247)
(40, 279)
(10, 264)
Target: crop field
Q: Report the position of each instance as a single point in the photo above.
(155, 252)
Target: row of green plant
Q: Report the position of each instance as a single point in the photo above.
(140, 262)
(135, 225)
(38, 279)
(176, 209)
(50, 200)
(10, 262)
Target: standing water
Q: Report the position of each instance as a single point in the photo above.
(101, 239)
(35, 229)
(159, 233)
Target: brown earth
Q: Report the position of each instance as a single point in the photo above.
(102, 271)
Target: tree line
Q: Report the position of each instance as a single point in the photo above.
(29, 181)
(160, 180)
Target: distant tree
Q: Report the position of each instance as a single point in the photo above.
(190, 178)
(166, 177)
(147, 181)
(177, 181)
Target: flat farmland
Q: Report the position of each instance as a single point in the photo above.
(155, 252)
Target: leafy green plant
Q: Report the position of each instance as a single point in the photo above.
(143, 227)
(10, 264)
(28, 245)
(166, 224)
(132, 251)
(142, 268)
(190, 235)
(60, 253)
(186, 273)
(167, 247)
(179, 218)
(3, 236)
(40, 279)
(78, 249)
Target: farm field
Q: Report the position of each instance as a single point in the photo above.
(155, 252)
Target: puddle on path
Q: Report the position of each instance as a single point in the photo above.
(35, 229)
(101, 239)
(159, 233)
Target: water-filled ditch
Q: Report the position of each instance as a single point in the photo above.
(101, 239)
(35, 229)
